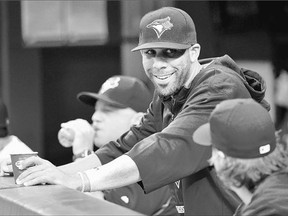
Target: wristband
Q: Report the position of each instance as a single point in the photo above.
(86, 187)
(91, 175)
(83, 154)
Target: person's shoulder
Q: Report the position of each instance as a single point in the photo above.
(16, 145)
(15, 140)
(221, 69)
(276, 183)
(217, 75)
(219, 80)
(222, 64)
(272, 191)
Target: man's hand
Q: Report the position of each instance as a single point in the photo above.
(6, 167)
(41, 171)
(83, 135)
(66, 137)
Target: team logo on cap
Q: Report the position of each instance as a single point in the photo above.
(111, 83)
(264, 149)
(177, 184)
(160, 26)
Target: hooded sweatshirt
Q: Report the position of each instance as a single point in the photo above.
(162, 146)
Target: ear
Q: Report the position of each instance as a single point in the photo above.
(194, 52)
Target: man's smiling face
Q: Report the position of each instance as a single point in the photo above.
(168, 69)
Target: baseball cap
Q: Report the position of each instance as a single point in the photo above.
(121, 92)
(167, 27)
(240, 128)
(3, 120)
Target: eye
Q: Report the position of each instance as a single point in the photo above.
(108, 109)
(149, 53)
(173, 53)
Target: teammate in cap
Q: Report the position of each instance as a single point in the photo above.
(160, 150)
(127, 95)
(119, 104)
(247, 156)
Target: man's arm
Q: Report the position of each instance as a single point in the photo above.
(86, 163)
(118, 173)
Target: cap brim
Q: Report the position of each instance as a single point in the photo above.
(202, 135)
(161, 45)
(90, 99)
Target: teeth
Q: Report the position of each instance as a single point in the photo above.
(163, 77)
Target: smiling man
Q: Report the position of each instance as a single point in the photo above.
(160, 149)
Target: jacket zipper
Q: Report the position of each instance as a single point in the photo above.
(173, 100)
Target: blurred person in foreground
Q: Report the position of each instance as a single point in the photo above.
(9, 144)
(248, 156)
(120, 103)
(160, 150)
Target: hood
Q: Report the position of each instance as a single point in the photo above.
(254, 83)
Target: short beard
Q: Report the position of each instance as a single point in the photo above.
(166, 93)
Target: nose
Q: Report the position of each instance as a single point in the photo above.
(96, 117)
(159, 63)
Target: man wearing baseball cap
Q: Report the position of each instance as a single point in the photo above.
(119, 104)
(247, 156)
(127, 95)
(160, 150)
